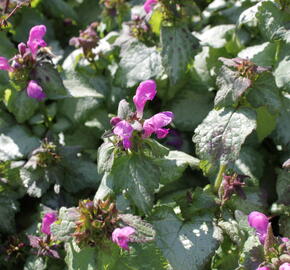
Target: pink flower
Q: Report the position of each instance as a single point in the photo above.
(156, 123)
(285, 239)
(22, 48)
(115, 120)
(149, 4)
(263, 268)
(47, 220)
(4, 64)
(285, 266)
(35, 91)
(122, 236)
(124, 130)
(145, 91)
(35, 39)
(260, 222)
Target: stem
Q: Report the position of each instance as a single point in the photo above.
(219, 177)
(277, 53)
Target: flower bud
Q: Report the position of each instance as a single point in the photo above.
(258, 221)
(115, 120)
(35, 91)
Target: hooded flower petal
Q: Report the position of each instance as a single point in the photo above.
(285, 266)
(47, 220)
(35, 39)
(145, 91)
(149, 4)
(35, 91)
(258, 221)
(4, 64)
(156, 123)
(124, 130)
(122, 236)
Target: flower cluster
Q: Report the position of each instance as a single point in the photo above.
(276, 249)
(26, 59)
(124, 128)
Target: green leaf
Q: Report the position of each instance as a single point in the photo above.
(65, 226)
(59, 8)
(232, 229)
(266, 123)
(282, 132)
(177, 50)
(252, 255)
(271, 21)
(48, 77)
(174, 164)
(22, 106)
(156, 148)
(231, 87)
(76, 169)
(105, 157)
(138, 63)
(254, 201)
(250, 163)
(80, 258)
(156, 20)
(186, 245)
(35, 262)
(7, 48)
(283, 186)
(37, 181)
(264, 92)
(221, 134)
(8, 208)
(16, 143)
(282, 74)
(130, 173)
(190, 108)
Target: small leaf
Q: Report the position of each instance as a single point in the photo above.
(231, 87)
(283, 186)
(282, 74)
(266, 123)
(105, 157)
(124, 110)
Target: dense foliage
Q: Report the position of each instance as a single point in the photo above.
(145, 135)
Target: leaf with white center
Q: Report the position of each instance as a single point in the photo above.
(217, 36)
(16, 143)
(65, 226)
(178, 46)
(138, 63)
(282, 74)
(272, 21)
(186, 245)
(222, 133)
(231, 87)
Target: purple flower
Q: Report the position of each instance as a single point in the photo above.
(260, 222)
(285, 266)
(122, 236)
(35, 91)
(145, 91)
(4, 64)
(35, 39)
(285, 239)
(156, 123)
(22, 48)
(115, 120)
(149, 4)
(263, 268)
(124, 130)
(47, 220)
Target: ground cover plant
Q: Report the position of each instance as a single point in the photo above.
(145, 135)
